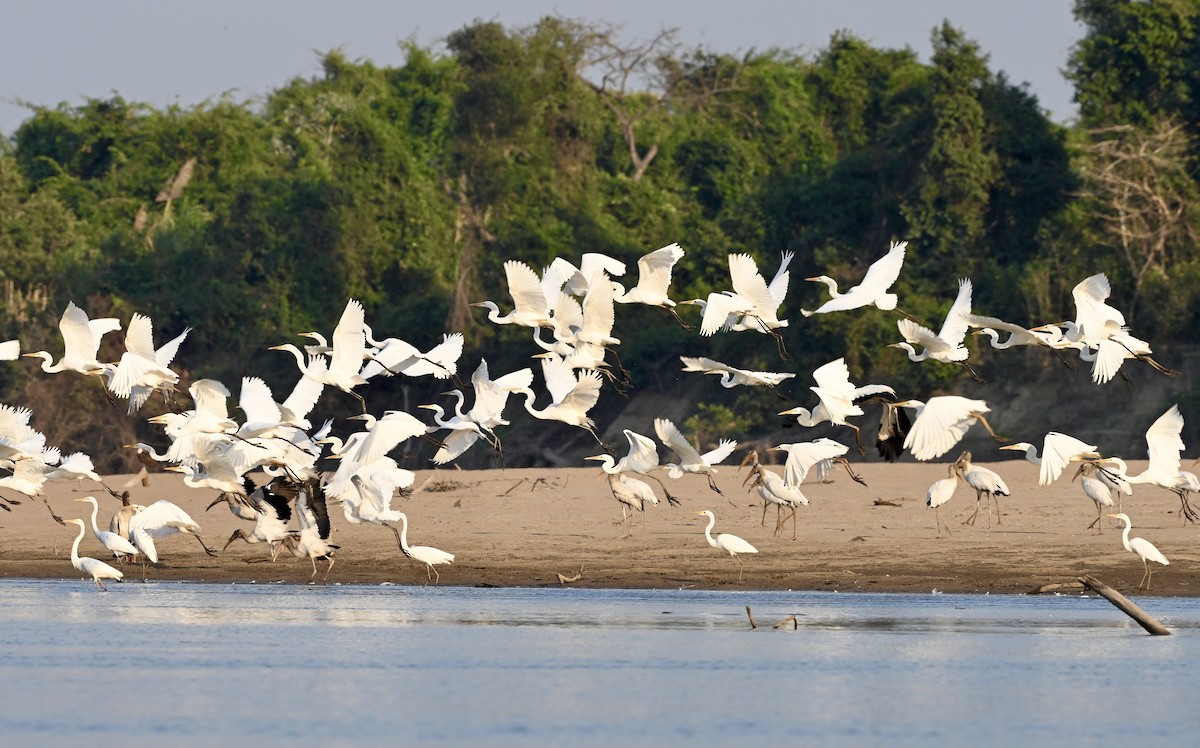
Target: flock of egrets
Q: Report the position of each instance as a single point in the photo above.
(576, 306)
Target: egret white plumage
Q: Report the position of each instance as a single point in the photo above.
(732, 376)
(92, 566)
(118, 545)
(838, 399)
(1144, 549)
(530, 306)
(394, 356)
(571, 395)
(425, 554)
(803, 456)
(143, 369)
(1164, 446)
(81, 340)
(872, 290)
(641, 459)
(345, 358)
(731, 544)
(160, 520)
(654, 280)
(986, 482)
(947, 344)
(941, 423)
(1058, 450)
(690, 459)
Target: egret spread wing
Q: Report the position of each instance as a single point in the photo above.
(954, 329)
(884, 271)
(525, 288)
(654, 270)
(139, 336)
(669, 435)
(1163, 442)
(349, 341)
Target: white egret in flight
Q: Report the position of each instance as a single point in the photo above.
(872, 290)
(941, 423)
(654, 279)
(947, 344)
(838, 399)
(731, 376)
(1058, 450)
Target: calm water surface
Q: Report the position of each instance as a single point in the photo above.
(273, 665)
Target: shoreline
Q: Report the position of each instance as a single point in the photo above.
(524, 527)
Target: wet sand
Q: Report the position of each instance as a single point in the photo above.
(524, 527)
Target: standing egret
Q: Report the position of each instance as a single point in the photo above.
(872, 290)
(1097, 490)
(425, 554)
(941, 423)
(941, 492)
(97, 568)
(985, 482)
(162, 519)
(731, 544)
(112, 541)
(1142, 547)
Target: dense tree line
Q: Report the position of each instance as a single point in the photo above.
(407, 187)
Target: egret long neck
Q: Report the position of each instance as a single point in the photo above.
(95, 511)
(712, 522)
(75, 545)
(1125, 536)
(404, 534)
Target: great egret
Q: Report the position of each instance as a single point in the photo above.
(838, 399)
(1164, 446)
(81, 339)
(947, 344)
(654, 279)
(425, 554)
(773, 489)
(571, 395)
(209, 416)
(143, 369)
(1058, 450)
(346, 358)
(941, 423)
(162, 519)
(732, 376)
(731, 544)
(394, 356)
(1095, 489)
(803, 456)
(765, 298)
(382, 436)
(118, 545)
(1142, 547)
(593, 268)
(872, 290)
(1099, 331)
(530, 307)
(690, 460)
(95, 567)
(941, 492)
(372, 501)
(986, 483)
(641, 459)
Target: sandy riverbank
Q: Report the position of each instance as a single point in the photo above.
(523, 527)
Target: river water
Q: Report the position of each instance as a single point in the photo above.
(193, 664)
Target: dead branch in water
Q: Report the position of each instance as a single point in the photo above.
(1125, 605)
(565, 579)
(792, 618)
(1056, 587)
(750, 615)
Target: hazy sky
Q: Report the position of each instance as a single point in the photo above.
(166, 52)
